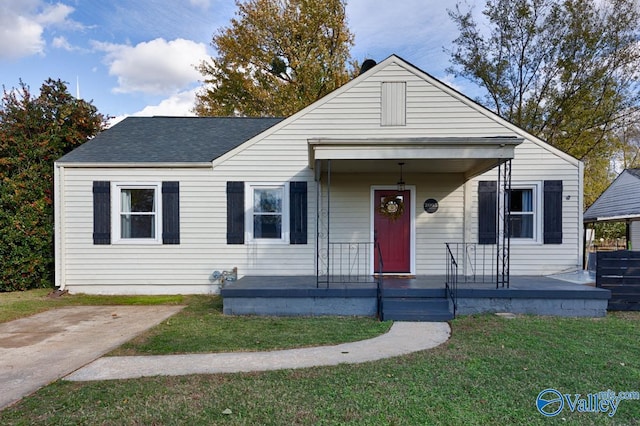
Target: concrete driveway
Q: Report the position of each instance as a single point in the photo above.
(42, 348)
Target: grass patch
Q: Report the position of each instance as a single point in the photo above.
(201, 327)
(489, 372)
(19, 304)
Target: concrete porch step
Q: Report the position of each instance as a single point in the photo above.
(416, 309)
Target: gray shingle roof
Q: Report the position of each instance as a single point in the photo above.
(168, 139)
(620, 200)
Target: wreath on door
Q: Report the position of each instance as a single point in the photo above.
(391, 207)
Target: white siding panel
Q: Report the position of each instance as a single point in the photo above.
(172, 268)
(635, 235)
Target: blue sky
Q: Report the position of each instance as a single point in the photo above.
(137, 57)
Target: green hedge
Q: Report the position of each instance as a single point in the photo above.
(34, 132)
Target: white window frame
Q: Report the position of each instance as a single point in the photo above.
(116, 211)
(536, 212)
(249, 194)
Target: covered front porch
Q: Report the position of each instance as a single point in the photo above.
(398, 236)
(415, 298)
(387, 206)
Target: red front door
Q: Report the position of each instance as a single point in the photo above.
(393, 234)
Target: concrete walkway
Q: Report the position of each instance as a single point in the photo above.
(37, 350)
(402, 338)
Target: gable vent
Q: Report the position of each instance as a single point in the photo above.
(394, 103)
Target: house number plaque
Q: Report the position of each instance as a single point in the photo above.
(431, 205)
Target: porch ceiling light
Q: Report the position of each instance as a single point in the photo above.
(401, 184)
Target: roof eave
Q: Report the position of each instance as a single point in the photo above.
(619, 218)
(135, 165)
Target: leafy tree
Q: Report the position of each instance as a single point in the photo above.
(35, 131)
(628, 141)
(276, 57)
(564, 70)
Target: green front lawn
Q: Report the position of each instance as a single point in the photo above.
(489, 372)
(201, 327)
(20, 304)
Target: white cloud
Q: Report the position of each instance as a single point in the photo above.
(179, 105)
(23, 23)
(61, 43)
(157, 67)
(203, 4)
(54, 14)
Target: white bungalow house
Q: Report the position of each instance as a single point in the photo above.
(390, 167)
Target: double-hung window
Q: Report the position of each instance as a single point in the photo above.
(267, 219)
(522, 219)
(137, 218)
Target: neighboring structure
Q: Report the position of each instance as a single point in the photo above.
(620, 202)
(156, 205)
(619, 271)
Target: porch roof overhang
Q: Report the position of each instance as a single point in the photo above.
(470, 156)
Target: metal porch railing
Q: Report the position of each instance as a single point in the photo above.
(379, 283)
(451, 279)
(345, 262)
(479, 263)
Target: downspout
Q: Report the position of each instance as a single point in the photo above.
(328, 221)
(584, 247)
(581, 241)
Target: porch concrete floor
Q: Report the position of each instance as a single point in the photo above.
(301, 295)
(561, 282)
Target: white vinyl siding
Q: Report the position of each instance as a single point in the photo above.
(164, 269)
(635, 235)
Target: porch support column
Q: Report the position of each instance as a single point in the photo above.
(503, 243)
(328, 220)
(318, 177)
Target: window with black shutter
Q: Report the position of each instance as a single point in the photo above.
(267, 212)
(141, 214)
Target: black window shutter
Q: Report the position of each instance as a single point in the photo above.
(235, 212)
(170, 212)
(298, 212)
(101, 212)
(487, 211)
(552, 212)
